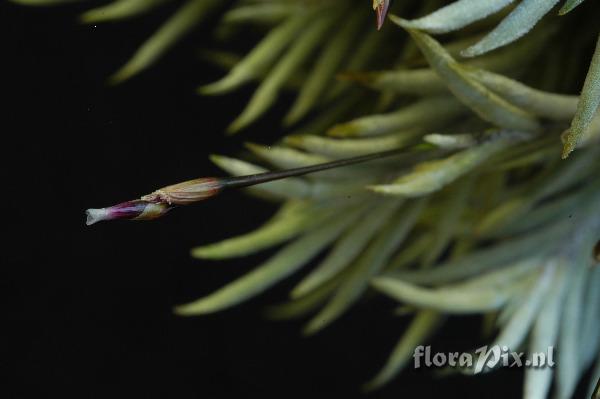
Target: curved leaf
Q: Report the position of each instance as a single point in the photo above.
(588, 104)
(421, 328)
(288, 260)
(184, 20)
(473, 94)
(369, 264)
(520, 21)
(457, 15)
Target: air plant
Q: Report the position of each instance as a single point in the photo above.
(480, 215)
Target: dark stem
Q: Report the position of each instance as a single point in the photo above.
(250, 180)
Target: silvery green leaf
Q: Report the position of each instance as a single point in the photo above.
(427, 114)
(590, 137)
(502, 215)
(348, 247)
(544, 335)
(502, 277)
(569, 366)
(305, 304)
(575, 171)
(432, 176)
(519, 249)
(504, 316)
(454, 47)
(542, 155)
(470, 92)
(450, 141)
(284, 263)
(518, 206)
(423, 81)
(594, 387)
(345, 148)
(588, 104)
(447, 299)
(520, 21)
(421, 328)
(569, 6)
(369, 264)
(179, 24)
(515, 331)
(332, 113)
(549, 105)
(285, 225)
(590, 339)
(541, 215)
(410, 253)
(447, 225)
(457, 15)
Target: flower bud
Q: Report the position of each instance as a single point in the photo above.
(130, 210)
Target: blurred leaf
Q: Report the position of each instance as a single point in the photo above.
(261, 57)
(568, 369)
(369, 264)
(285, 262)
(327, 64)
(447, 299)
(295, 219)
(422, 327)
(120, 9)
(544, 334)
(267, 92)
(348, 247)
(184, 20)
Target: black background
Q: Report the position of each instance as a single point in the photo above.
(88, 309)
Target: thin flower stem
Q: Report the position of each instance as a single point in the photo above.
(159, 202)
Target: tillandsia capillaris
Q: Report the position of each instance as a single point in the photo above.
(485, 218)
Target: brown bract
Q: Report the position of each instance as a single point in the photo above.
(187, 192)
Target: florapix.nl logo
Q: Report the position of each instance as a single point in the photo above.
(482, 358)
